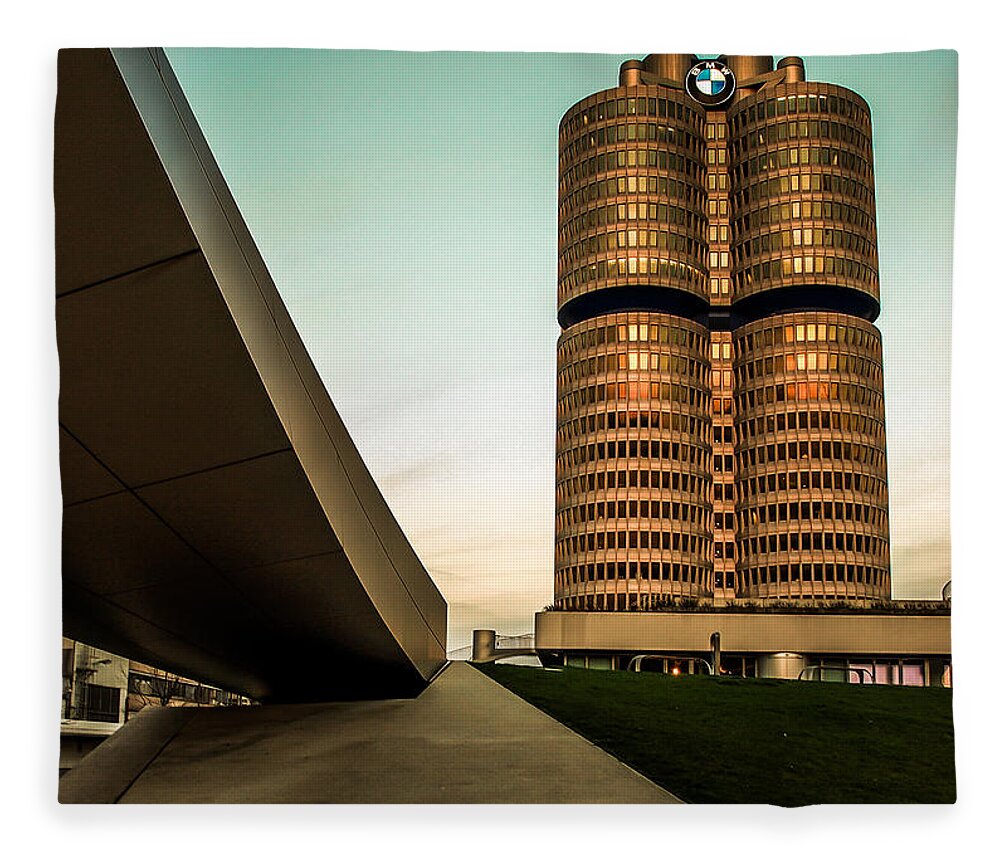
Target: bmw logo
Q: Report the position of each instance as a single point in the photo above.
(710, 82)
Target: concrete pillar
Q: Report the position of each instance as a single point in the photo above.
(716, 641)
(746, 66)
(672, 67)
(629, 75)
(934, 672)
(781, 665)
(484, 644)
(795, 69)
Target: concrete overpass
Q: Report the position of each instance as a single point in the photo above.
(218, 519)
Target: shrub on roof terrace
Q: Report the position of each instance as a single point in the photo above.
(670, 603)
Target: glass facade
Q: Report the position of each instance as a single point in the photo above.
(720, 417)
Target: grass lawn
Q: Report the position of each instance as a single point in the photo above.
(730, 740)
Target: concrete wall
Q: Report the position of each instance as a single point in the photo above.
(748, 633)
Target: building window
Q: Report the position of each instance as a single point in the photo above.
(99, 703)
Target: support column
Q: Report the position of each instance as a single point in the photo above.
(934, 668)
(484, 643)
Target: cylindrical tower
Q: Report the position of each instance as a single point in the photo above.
(720, 429)
(633, 518)
(812, 502)
(632, 461)
(631, 203)
(803, 201)
(812, 518)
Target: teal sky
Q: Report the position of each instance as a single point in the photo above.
(405, 204)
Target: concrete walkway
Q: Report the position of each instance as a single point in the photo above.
(465, 739)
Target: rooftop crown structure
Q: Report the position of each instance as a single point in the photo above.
(720, 416)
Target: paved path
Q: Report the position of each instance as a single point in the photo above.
(465, 739)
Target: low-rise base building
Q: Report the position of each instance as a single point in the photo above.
(904, 644)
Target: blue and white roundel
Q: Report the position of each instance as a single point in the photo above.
(711, 81)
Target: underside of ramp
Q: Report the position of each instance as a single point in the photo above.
(218, 519)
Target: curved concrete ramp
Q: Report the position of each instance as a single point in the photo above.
(218, 519)
(465, 739)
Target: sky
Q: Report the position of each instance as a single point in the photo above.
(405, 204)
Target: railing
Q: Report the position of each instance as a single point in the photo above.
(485, 650)
(638, 658)
(861, 672)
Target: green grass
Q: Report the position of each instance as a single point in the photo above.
(729, 740)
